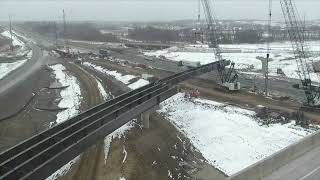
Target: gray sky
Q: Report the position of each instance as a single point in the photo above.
(144, 10)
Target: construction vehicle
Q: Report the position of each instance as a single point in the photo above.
(228, 78)
(192, 94)
(142, 66)
(191, 64)
(303, 58)
(103, 53)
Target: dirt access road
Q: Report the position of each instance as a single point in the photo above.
(87, 166)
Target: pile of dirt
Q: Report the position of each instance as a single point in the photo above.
(269, 116)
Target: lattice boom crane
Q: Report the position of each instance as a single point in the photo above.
(295, 30)
(214, 37)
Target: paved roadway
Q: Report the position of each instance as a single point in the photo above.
(20, 74)
(306, 167)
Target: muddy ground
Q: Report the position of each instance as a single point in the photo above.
(19, 116)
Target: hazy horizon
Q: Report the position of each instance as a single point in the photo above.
(144, 10)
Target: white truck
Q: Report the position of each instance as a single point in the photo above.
(190, 64)
(236, 86)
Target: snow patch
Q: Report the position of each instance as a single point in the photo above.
(169, 174)
(102, 91)
(154, 163)
(247, 57)
(229, 137)
(64, 170)
(6, 68)
(138, 84)
(124, 79)
(125, 154)
(119, 133)
(174, 54)
(15, 40)
(70, 97)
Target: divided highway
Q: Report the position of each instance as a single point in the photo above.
(22, 72)
(43, 154)
(306, 167)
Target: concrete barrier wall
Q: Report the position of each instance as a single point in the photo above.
(266, 166)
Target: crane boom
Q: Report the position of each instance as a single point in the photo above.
(215, 35)
(295, 30)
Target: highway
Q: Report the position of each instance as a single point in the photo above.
(306, 167)
(21, 73)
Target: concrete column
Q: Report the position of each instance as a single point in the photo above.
(145, 119)
(145, 116)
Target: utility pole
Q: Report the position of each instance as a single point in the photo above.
(56, 33)
(266, 69)
(65, 32)
(11, 36)
(198, 33)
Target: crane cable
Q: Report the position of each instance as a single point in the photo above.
(268, 48)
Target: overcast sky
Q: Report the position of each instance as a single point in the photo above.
(145, 10)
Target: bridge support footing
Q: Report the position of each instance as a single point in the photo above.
(145, 117)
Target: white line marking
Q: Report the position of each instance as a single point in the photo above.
(309, 174)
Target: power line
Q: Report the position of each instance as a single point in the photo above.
(11, 36)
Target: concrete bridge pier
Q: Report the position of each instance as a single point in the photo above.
(145, 116)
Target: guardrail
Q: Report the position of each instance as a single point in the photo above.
(267, 166)
(43, 154)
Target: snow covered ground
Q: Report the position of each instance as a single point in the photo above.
(246, 56)
(21, 50)
(116, 135)
(229, 137)
(125, 79)
(15, 40)
(71, 99)
(6, 68)
(102, 91)
(87, 42)
(138, 84)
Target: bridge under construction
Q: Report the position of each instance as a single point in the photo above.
(43, 154)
